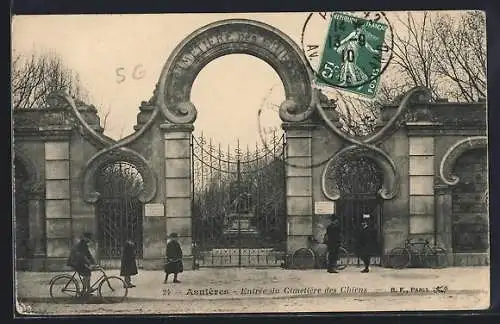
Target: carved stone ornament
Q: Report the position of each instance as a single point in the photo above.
(390, 186)
(454, 152)
(90, 192)
(234, 36)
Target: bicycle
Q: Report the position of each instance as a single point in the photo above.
(112, 289)
(306, 258)
(429, 256)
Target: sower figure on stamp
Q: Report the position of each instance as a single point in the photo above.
(365, 242)
(128, 264)
(333, 240)
(174, 258)
(82, 261)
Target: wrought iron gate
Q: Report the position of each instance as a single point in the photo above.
(351, 209)
(239, 214)
(118, 208)
(359, 180)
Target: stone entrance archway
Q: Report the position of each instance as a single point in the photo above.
(234, 36)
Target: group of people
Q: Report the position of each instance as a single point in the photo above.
(364, 242)
(82, 261)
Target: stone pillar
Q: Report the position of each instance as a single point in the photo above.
(421, 188)
(444, 220)
(37, 230)
(154, 234)
(58, 204)
(299, 199)
(178, 213)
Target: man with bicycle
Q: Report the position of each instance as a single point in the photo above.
(82, 261)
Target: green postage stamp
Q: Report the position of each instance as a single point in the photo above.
(352, 54)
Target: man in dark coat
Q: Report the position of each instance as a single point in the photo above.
(128, 265)
(365, 242)
(82, 261)
(333, 240)
(174, 258)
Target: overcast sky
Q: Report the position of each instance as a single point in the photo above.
(228, 91)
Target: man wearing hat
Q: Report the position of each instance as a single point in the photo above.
(82, 261)
(365, 241)
(333, 240)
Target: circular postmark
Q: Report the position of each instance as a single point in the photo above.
(348, 50)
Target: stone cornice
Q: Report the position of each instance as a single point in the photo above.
(299, 126)
(438, 129)
(177, 127)
(451, 114)
(43, 133)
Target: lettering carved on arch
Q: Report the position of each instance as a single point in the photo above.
(235, 36)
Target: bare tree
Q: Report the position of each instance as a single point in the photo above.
(37, 75)
(414, 50)
(444, 52)
(461, 57)
(359, 116)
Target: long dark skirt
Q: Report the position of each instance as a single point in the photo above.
(128, 266)
(174, 267)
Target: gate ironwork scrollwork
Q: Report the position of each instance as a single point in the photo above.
(119, 209)
(369, 146)
(239, 215)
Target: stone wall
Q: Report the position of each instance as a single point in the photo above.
(55, 150)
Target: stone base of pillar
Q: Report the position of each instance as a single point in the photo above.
(187, 262)
(159, 263)
(38, 264)
(23, 265)
(469, 259)
(56, 264)
(152, 264)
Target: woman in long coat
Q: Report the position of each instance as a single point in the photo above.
(128, 265)
(174, 258)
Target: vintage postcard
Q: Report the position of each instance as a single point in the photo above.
(250, 163)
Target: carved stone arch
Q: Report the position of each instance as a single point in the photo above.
(390, 185)
(90, 192)
(454, 152)
(234, 36)
(35, 184)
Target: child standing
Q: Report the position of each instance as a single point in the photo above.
(128, 264)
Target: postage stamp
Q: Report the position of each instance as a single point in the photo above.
(356, 50)
(352, 54)
(247, 163)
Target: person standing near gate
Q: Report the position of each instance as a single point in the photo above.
(333, 240)
(365, 241)
(128, 265)
(174, 258)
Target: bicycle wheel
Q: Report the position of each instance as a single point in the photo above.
(64, 288)
(399, 258)
(435, 258)
(342, 259)
(304, 258)
(113, 289)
